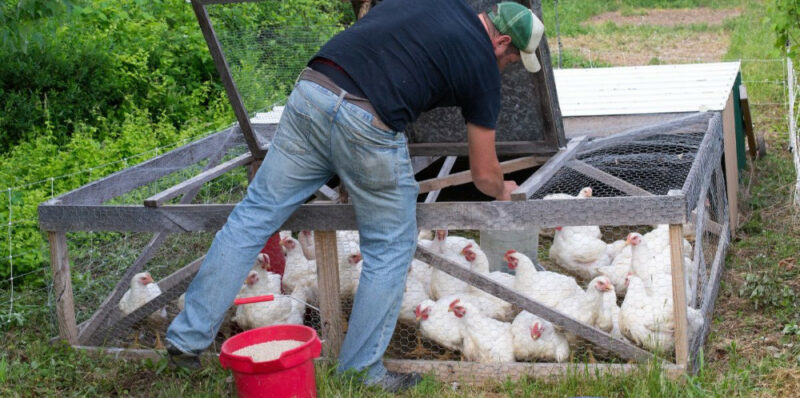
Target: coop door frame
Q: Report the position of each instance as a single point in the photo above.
(543, 83)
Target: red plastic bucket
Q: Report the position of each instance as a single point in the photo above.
(291, 375)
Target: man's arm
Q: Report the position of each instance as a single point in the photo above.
(483, 165)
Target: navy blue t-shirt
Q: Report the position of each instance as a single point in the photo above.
(410, 56)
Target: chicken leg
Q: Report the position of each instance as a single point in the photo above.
(159, 344)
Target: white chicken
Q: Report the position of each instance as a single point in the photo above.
(437, 324)
(142, 290)
(654, 266)
(278, 311)
(619, 269)
(413, 295)
(582, 254)
(306, 239)
(299, 270)
(489, 305)
(546, 287)
(536, 338)
(442, 284)
(647, 317)
(349, 274)
(485, 340)
(608, 318)
(422, 272)
(589, 230)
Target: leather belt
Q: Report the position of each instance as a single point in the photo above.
(363, 103)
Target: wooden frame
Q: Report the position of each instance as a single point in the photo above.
(83, 210)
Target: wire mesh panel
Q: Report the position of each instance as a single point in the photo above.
(267, 44)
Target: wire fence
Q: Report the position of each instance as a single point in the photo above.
(97, 258)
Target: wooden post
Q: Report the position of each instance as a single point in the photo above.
(731, 167)
(748, 122)
(328, 280)
(679, 295)
(62, 287)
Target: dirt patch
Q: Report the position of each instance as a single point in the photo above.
(669, 17)
(621, 49)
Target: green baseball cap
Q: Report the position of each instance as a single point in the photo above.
(526, 30)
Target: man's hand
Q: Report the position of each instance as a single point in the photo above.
(508, 187)
(483, 165)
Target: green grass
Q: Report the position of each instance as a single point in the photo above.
(753, 349)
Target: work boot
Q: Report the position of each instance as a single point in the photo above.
(180, 359)
(395, 382)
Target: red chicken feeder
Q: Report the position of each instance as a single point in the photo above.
(291, 375)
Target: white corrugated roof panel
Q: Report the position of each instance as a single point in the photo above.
(633, 90)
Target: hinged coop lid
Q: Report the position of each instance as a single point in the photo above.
(529, 121)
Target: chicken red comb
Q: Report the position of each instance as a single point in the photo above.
(454, 303)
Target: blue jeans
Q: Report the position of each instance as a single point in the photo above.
(319, 135)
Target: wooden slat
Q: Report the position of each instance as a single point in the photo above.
(464, 177)
(463, 372)
(607, 179)
(548, 170)
(744, 104)
(197, 181)
(419, 163)
(62, 287)
(329, 303)
(443, 172)
(601, 339)
(731, 164)
(519, 215)
(520, 148)
(679, 295)
(327, 193)
(123, 181)
(710, 293)
(473, 373)
(545, 84)
(227, 79)
(171, 287)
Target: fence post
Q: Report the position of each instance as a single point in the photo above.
(62, 287)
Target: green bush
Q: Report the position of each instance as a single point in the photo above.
(87, 83)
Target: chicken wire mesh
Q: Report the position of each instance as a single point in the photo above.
(265, 50)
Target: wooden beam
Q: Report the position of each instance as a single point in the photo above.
(328, 281)
(607, 179)
(197, 181)
(748, 122)
(710, 293)
(474, 373)
(221, 63)
(622, 348)
(464, 372)
(443, 172)
(548, 170)
(464, 177)
(171, 287)
(521, 215)
(327, 193)
(679, 295)
(123, 181)
(62, 287)
(731, 166)
(520, 148)
(545, 84)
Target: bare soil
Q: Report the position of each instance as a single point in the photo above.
(669, 17)
(636, 48)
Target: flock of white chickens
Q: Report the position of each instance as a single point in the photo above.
(481, 327)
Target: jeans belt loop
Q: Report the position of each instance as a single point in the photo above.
(363, 103)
